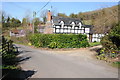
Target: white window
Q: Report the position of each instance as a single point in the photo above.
(61, 30)
(72, 31)
(65, 26)
(76, 31)
(57, 26)
(68, 30)
(94, 39)
(79, 31)
(57, 30)
(76, 27)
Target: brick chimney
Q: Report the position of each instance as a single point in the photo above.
(49, 16)
(48, 29)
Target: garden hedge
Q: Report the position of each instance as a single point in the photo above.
(59, 40)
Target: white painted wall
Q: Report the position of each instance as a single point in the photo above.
(65, 26)
(87, 30)
(69, 27)
(76, 31)
(68, 30)
(97, 37)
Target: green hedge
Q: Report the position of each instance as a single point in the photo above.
(59, 40)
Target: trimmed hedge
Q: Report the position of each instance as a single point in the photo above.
(59, 40)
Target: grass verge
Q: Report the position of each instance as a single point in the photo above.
(116, 64)
(94, 43)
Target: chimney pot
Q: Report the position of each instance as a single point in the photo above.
(49, 16)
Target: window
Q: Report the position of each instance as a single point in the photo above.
(62, 24)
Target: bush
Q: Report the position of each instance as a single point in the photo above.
(111, 43)
(9, 59)
(59, 40)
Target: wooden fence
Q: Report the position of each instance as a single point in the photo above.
(6, 46)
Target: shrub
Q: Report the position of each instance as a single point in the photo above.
(111, 43)
(59, 40)
(9, 59)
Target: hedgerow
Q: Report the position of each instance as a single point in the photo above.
(59, 40)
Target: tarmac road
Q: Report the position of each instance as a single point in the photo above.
(64, 64)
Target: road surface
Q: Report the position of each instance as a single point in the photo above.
(78, 63)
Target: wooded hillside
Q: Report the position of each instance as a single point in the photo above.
(103, 19)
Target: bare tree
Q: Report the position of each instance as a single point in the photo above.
(43, 15)
(28, 17)
(106, 19)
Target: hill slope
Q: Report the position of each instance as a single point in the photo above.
(103, 19)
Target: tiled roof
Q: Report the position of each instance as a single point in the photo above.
(15, 31)
(67, 21)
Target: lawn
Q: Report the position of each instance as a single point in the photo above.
(94, 43)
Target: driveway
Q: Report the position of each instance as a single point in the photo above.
(76, 63)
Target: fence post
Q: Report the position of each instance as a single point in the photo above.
(8, 46)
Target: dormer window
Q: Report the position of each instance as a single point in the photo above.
(73, 24)
(62, 24)
(80, 25)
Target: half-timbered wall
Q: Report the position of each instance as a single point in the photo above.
(72, 28)
(76, 29)
(68, 29)
(97, 37)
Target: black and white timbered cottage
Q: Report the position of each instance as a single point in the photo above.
(70, 25)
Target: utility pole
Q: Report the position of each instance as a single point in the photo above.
(34, 15)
